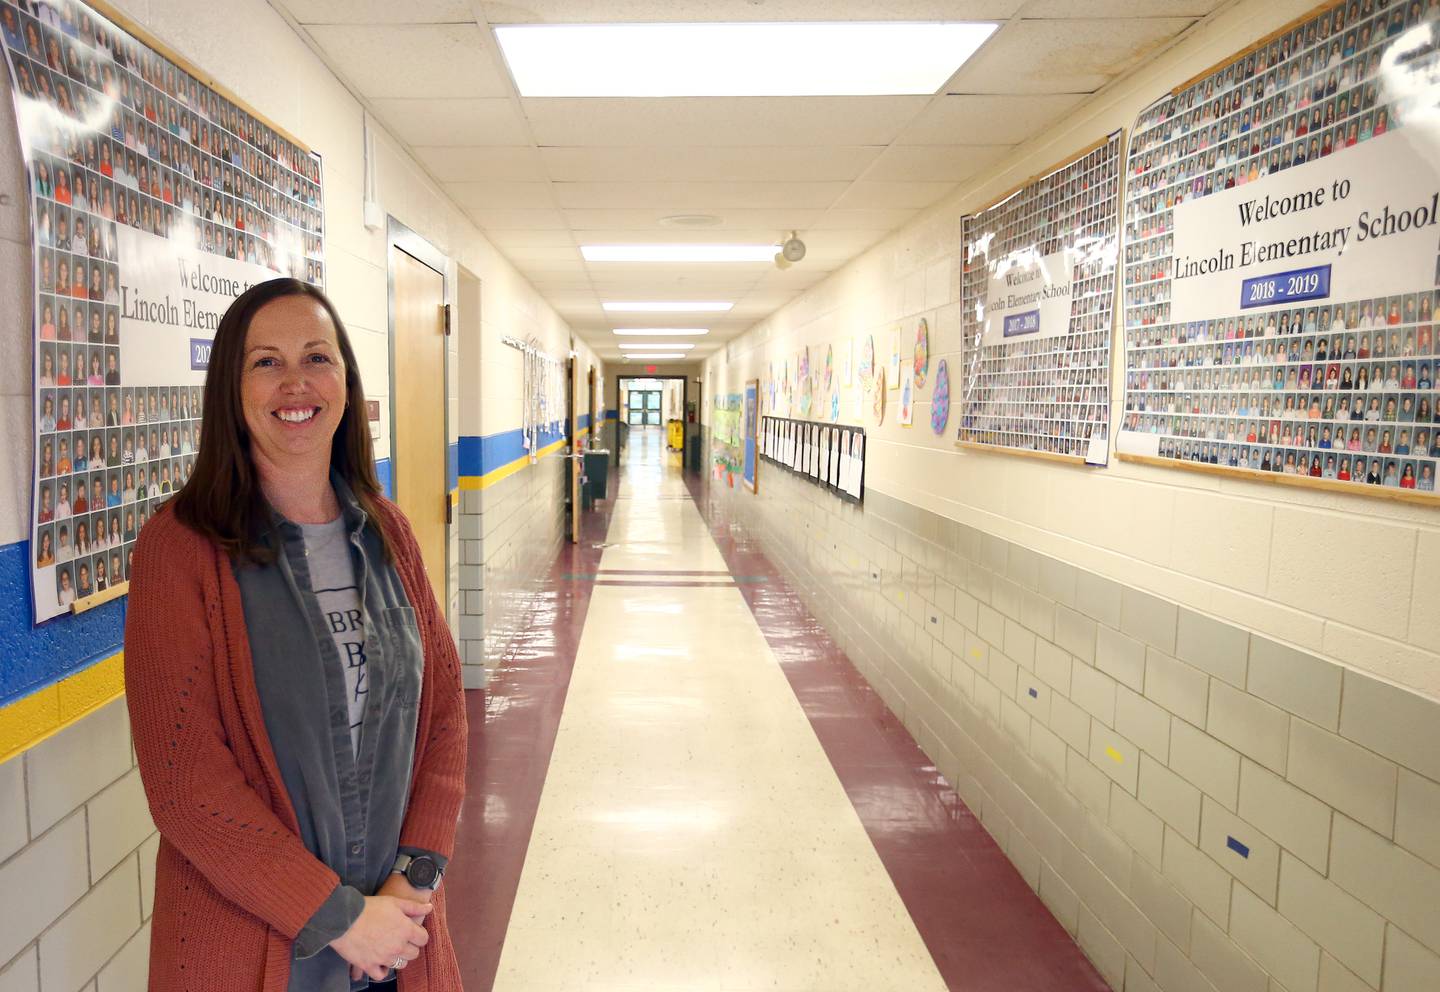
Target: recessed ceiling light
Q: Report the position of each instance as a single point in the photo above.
(679, 253)
(652, 345)
(667, 307)
(661, 332)
(656, 354)
(850, 58)
(689, 220)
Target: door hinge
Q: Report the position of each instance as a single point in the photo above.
(446, 308)
(449, 510)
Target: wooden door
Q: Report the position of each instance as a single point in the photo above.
(417, 443)
(594, 414)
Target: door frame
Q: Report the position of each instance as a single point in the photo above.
(400, 238)
(684, 396)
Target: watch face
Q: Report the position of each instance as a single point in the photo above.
(422, 873)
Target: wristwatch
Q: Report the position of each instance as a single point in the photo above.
(421, 871)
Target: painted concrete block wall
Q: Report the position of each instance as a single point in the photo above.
(1204, 808)
(77, 855)
(1349, 578)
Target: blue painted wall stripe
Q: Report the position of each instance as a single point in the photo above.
(39, 656)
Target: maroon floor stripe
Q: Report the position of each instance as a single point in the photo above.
(513, 724)
(985, 928)
(656, 583)
(661, 571)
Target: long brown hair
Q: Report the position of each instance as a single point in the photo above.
(222, 500)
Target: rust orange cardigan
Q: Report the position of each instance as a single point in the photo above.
(233, 882)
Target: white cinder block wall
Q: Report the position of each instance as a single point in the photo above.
(76, 844)
(1122, 669)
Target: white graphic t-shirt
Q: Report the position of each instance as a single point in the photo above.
(332, 578)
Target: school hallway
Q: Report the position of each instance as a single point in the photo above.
(705, 794)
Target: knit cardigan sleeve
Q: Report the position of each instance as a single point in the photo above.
(182, 707)
(438, 787)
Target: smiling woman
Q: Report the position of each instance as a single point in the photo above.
(285, 657)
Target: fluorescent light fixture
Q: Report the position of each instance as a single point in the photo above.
(641, 307)
(657, 354)
(662, 332)
(679, 253)
(846, 58)
(661, 345)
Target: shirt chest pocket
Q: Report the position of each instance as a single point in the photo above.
(399, 635)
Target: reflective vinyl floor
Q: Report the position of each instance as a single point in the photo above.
(681, 784)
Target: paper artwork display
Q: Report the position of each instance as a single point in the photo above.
(922, 353)
(1283, 256)
(835, 407)
(155, 201)
(877, 399)
(907, 395)
(867, 359)
(1036, 295)
(802, 381)
(893, 360)
(829, 367)
(940, 398)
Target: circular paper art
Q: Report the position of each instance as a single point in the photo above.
(829, 367)
(922, 353)
(867, 359)
(940, 399)
(878, 402)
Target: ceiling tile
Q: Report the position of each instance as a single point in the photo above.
(415, 61)
(721, 121)
(858, 219)
(770, 164)
(787, 219)
(659, 11)
(1065, 55)
(879, 195)
(470, 164)
(959, 119)
(453, 122)
(534, 220)
(525, 239)
(697, 196)
(379, 11)
(934, 163)
(508, 196)
(1120, 8)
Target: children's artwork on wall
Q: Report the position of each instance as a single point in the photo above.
(867, 359)
(893, 361)
(802, 380)
(940, 399)
(835, 407)
(922, 353)
(877, 400)
(907, 394)
(829, 367)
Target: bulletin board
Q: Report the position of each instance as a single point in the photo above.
(155, 201)
(751, 437)
(831, 456)
(1037, 298)
(1281, 262)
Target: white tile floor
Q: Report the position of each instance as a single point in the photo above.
(691, 833)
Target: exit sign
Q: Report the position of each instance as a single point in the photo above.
(650, 368)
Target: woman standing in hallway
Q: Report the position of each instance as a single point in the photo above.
(294, 691)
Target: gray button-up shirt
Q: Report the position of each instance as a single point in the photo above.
(350, 804)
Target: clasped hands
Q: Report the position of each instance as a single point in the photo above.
(389, 929)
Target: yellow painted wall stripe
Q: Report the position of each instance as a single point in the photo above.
(30, 720)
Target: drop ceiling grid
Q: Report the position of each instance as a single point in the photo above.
(542, 177)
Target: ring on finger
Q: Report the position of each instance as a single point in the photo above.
(399, 963)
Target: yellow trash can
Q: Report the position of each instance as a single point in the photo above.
(676, 429)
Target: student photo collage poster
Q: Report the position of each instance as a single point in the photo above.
(1037, 296)
(1282, 259)
(155, 201)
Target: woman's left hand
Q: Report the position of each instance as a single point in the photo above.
(399, 887)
